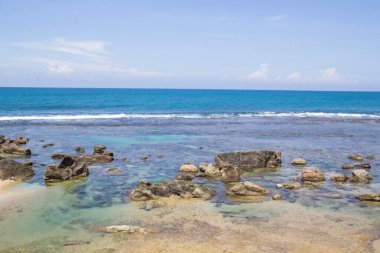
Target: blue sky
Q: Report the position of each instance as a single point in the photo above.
(268, 44)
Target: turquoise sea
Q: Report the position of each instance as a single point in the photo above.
(176, 126)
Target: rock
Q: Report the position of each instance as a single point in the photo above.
(21, 140)
(277, 197)
(153, 204)
(369, 197)
(339, 178)
(13, 149)
(347, 166)
(299, 161)
(2, 139)
(211, 171)
(115, 171)
(312, 175)
(185, 176)
(29, 164)
(183, 189)
(109, 153)
(279, 185)
(292, 185)
(95, 158)
(125, 229)
(230, 173)
(58, 156)
(361, 176)
(48, 145)
(247, 189)
(80, 150)
(249, 160)
(363, 165)
(10, 169)
(295, 178)
(202, 166)
(371, 157)
(187, 167)
(144, 158)
(355, 157)
(68, 168)
(160, 156)
(99, 149)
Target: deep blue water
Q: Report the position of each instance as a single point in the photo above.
(43, 101)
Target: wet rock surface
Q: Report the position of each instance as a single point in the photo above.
(183, 189)
(185, 176)
(67, 169)
(249, 160)
(10, 169)
(361, 176)
(312, 175)
(348, 166)
(125, 229)
(247, 189)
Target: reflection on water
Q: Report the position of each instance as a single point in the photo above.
(44, 217)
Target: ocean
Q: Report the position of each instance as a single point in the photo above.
(171, 127)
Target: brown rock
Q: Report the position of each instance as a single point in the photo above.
(247, 189)
(369, 197)
(363, 165)
(80, 150)
(10, 169)
(187, 167)
(347, 166)
(299, 161)
(230, 173)
(355, 157)
(21, 140)
(185, 176)
(361, 176)
(292, 185)
(13, 149)
(312, 175)
(339, 178)
(68, 168)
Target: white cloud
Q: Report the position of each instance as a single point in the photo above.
(259, 74)
(58, 68)
(330, 74)
(296, 76)
(87, 48)
(277, 18)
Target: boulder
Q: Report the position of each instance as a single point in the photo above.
(11, 148)
(249, 160)
(10, 169)
(99, 149)
(21, 140)
(347, 166)
(312, 175)
(361, 176)
(188, 167)
(355, 157)
(80, 150)
(299, 161)
(68, 168)
(185, 176)
(292, 185)
(183, 189)
(247, 189)
(369, 197)
(339, 178)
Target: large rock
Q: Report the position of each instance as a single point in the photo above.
(249, 160)
(12, 148)
(10, 169)
(68, 168)
(183, 189)
(247, 189)
(361, 176)
(369, 197)
(312, 175)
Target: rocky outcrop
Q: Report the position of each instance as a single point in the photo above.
(188, 167)
(67, 169)
(369, 197)
(299, 161)
(247, 189)
(228, 173)
(249, 160)
(183, 189)
(11, 148)
(361, 176)
(312, 175)
(339, 178)
(10, 169)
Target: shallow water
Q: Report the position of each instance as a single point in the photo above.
(39, 217)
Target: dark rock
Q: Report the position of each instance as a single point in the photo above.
(247, 189)
(2, 139)
(58, 156)
(369, 197)
(184, 189)
(185, 176)
(230, 173)
(363, 165)
(10, 169)
(68, 168)
(249, 160)
(347, 166)
(361, 176)
(80, 150)
(29, 164)
(371, 157)
(99, 149)
(96, 158)
(144, 158)
(339, 178)
(312, 175)
(48, 145)
(21, 140)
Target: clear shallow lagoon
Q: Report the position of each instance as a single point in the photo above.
(43, 217)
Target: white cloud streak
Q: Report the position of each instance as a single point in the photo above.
(330, 75)
(259, 74)
(57, 68)
(294, 77)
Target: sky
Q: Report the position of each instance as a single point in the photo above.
(216, 44)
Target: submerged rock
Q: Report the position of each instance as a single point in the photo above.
(48, 145)
(10, 169)
(249, 160)
(299, 161)
(312, 175)
(95, 158)
(68, 168)
(292, 185)
(115, 171)
(339, 178)
(58, 156)
(125, 229)
(21, 140)
(361, 176)
(347, 166)
(365, 166)
(188, 167)
(247, 189)
(277, 197)
(355, 157)
(230, 173)
(2, 139)
(369, 197)
(183, 189)
(144, 158)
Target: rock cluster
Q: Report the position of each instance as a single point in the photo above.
(11, 147)
(10, 169)
(183, 189)
(68, 168)
(99, 156)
